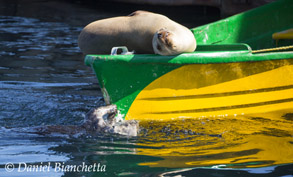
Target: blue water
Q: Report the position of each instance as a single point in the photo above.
(43, 81)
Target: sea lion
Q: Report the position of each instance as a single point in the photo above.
(142, 31)
(97, 121)
(103, 120)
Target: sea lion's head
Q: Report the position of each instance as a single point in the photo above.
(165, 43)
(100, 118)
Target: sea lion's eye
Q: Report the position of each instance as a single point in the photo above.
(159, 35)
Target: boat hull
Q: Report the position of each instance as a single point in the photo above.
(195, 85)
(216, 90)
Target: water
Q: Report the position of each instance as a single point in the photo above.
(43, 81)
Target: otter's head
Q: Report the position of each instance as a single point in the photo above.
(165, 43)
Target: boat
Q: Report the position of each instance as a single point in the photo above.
(243, 64)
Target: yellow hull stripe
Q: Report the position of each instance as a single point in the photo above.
(203, 90)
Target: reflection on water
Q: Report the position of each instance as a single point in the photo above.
(43, 81)
(234, 142)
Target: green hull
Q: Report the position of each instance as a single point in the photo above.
(125, 79)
